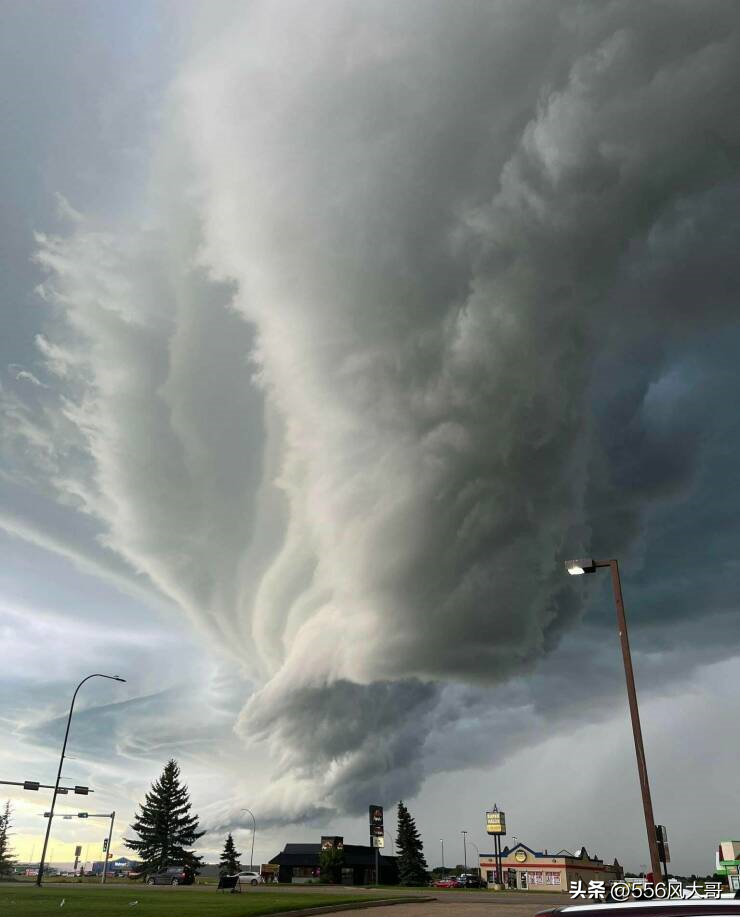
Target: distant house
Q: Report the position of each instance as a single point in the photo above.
(528, 870)
(300, 863)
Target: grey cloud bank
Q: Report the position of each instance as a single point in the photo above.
(430, 297)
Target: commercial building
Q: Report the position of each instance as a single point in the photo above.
(532, 870)
(300, 863)
(728, 862)
(120, 867)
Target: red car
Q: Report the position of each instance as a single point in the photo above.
(447, 882)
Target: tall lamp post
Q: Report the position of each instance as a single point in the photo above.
(465, 849)
(588, 565)
(442, 842)
(254, 831)
(478, 854)
(61, 763)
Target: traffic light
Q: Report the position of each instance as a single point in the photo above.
(105, 845)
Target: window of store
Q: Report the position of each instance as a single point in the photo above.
(535, 878)
(552, 878)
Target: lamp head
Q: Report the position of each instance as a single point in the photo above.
(580, 566)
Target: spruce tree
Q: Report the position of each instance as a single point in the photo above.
(229, 864)
(412, 867)
(164, 825)
(7, 860)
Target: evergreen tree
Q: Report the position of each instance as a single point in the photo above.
(7, 860)
(229, 864)
(412, 867)
(164, 824)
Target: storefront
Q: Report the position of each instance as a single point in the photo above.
(531, 870)
(728, 863)
(299, 863)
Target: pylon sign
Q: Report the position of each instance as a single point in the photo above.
(495, 821)
(376, 822)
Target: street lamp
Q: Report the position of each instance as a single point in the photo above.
(61, 763)
(442, 842)
(254, 831)
(465, 849)
(477, 853)
(588, 565)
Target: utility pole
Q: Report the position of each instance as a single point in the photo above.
(465, 849)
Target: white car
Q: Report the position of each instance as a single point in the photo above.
(251, 878)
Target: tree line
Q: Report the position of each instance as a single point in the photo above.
(166, 831)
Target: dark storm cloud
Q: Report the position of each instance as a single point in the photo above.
(483, 304)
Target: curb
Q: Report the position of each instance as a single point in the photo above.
(352, 906)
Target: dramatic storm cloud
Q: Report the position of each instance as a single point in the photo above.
(422, 298)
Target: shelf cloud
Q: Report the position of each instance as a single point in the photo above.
(428, 297)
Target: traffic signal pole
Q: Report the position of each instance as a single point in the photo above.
(107, 848)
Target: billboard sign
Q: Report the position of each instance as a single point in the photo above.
(495, 822)
(378, 840)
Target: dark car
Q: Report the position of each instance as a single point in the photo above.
(172, 875)
(467, 880)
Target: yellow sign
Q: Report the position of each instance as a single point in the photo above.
(520, 856)
(495, 822)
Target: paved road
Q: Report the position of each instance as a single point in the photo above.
(469, 904)
(449, 909)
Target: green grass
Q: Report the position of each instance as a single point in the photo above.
(114, 901)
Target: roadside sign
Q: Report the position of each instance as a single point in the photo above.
(376, 824)
(495, 822)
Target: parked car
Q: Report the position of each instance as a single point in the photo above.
(172, 875)
(448, 882)
(470, 880)
(251, 878)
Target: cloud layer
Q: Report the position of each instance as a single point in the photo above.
(431, 297)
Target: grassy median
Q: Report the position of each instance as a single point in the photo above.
(141, 901)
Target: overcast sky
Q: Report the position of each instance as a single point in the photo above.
(329, 331)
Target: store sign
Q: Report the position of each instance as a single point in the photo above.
(521, 856)
(378, 841)
(376, 823)
(329, 842)
(495, 822)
